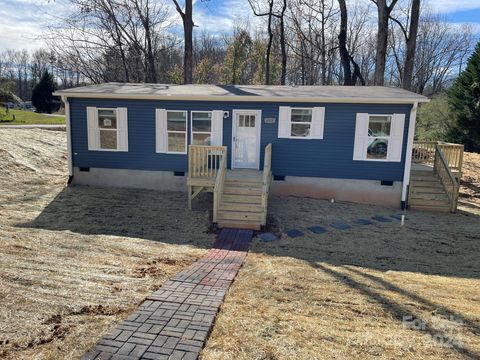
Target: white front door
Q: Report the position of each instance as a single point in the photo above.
(246, 139)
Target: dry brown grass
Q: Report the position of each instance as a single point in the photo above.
(75, 261)
(469, 199)
(344, 294)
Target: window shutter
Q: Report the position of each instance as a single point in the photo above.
(284, 119)
(92, 129)
(395, 143)
(161, 137)
(361, 137)
(217, 128)
(122, 125)
(318, 121)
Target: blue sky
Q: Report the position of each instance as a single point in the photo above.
(24, 20)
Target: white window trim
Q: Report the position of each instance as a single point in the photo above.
(178, 132)
(309, 137)
(379, 137)
(391, 116)
(200, 132)
(101, 129)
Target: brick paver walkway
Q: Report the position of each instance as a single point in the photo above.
(174, 322)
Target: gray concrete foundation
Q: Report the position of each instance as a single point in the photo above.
(143, 179)
(360, 191)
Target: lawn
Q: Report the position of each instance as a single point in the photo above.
(24, 117)
(76, 261)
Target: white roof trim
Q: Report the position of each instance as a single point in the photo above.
(243, 98)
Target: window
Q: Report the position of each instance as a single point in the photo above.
(177, 131)
(246, 120)
(107, 127)
(301, 121)
(201, 128)
(378, 136)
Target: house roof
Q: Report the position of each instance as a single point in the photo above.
(279, 93)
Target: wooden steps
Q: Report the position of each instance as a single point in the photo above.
(427, 192)
(241, 204)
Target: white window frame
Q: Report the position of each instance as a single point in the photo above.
(177, 132)
(103, 129)
(303, 122)
(395, 138)
(379, 137)
(201, 132)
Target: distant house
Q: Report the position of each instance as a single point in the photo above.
(347, 143)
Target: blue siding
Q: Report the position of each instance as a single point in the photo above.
(330, 157)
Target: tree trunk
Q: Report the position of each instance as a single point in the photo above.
(342, 42)
(411, 44)
(283, 47)
(382, 38)
(188, 32)
(269, 45)
(187, 19)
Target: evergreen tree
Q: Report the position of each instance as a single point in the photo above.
(42, 98)
(464, 100)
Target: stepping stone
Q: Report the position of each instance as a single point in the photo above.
(363, 222)
(340, 226)
(317, 229)
(268, 237)
(381, 219)
(293, 233)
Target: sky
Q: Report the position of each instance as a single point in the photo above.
(23, 21)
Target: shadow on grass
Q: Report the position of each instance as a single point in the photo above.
(398, 310)
(144, 214)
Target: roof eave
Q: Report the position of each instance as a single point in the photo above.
(243, 98)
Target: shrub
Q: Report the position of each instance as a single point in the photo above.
(42, 98)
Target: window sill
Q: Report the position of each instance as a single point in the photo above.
(109, 150)
(378, 160)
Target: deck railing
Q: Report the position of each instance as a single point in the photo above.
(267, 178)
(442, 168)
(204, 161)
(424, 152)
(218, 188)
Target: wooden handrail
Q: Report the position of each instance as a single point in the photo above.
(204, 161)
(267, 178)
(218, 188)
(424, 152)
(449, 182)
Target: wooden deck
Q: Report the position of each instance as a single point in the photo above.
(435, 176)
(240, 196)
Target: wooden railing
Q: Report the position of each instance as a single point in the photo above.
(442, 168)
(424, 152)
(204, 161)
(218, 188)
(453, 154)
(267, 178)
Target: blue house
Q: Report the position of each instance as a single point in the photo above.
(242, 142)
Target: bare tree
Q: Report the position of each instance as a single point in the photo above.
(268, 52)
(187, 19)
(342, 44)
(383, 11)
(409, 32)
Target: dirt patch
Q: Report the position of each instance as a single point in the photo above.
(76, 261)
